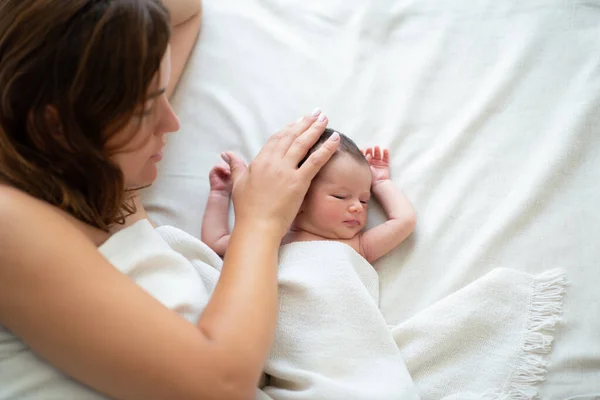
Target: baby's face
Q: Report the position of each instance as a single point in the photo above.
(335, 206)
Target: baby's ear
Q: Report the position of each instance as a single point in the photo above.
(301, 209)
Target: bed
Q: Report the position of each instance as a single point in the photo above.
(491, 112)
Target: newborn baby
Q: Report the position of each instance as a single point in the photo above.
(335, 207)
(331, 340)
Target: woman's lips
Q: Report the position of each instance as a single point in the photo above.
(157, 157)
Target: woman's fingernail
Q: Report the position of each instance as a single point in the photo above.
(335, 136)
(225, 158)
(322, 117)
(316, 112)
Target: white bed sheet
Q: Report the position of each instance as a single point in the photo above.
(491, 111)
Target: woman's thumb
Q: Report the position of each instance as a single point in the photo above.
(236, 164)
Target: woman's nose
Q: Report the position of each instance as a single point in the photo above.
(168, 120)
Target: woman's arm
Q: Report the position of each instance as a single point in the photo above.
(61, 297)
(186, 16)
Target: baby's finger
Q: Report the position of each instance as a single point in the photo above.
(222, 166)
(236, 165)
(301, 144)
(377, 153)
(315, 162)
(223, 172)
(369, 153)
(386, 155)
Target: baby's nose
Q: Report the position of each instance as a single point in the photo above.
(356, 207)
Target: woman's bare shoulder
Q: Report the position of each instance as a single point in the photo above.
(16, 205)
(182, 10)
(22, 214)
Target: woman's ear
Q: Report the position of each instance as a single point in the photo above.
(53, 123)
(46, 128)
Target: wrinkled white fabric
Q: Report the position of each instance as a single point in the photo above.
(490, 111)
(331, 340)
(489, 340)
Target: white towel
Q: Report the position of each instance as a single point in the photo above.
(488, 340)
(331, 340)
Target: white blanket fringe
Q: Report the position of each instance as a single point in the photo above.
(545, 309)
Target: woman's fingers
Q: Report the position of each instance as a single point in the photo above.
(302, 143)
(293, 131)
(317, 160)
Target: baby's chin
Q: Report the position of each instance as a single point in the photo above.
(338, 234)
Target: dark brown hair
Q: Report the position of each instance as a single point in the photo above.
(346, 146)
(72, 73)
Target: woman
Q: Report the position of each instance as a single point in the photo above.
(84, 115)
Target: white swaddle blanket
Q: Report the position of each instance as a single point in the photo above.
(487, 340)
(331, 340)
(490, 338)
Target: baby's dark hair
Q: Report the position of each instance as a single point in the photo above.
(346, 145)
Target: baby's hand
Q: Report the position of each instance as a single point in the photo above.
(380, 164)
(220, 179)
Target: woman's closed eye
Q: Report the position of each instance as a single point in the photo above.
(147, 111)
(144, 113)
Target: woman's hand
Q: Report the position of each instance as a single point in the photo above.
(379, 160)
(271, 189)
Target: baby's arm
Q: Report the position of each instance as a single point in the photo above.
(401, 217)
(215, 224)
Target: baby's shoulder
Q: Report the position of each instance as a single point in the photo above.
(354, 243)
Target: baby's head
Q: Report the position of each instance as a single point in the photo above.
(335, 206)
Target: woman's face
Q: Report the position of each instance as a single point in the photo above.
(144, 136)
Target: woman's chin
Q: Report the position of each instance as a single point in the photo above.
(145, 178)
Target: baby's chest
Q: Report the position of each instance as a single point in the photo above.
(354, 243)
